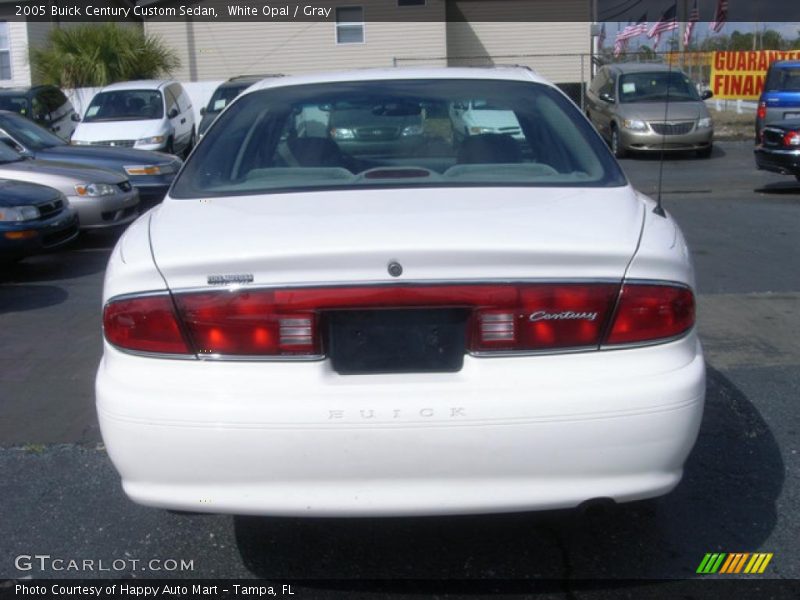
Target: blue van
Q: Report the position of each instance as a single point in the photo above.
(780, 99)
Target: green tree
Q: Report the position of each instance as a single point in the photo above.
(95, 55)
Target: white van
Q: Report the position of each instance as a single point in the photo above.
(146, 114)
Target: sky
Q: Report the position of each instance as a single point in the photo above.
(788, 30)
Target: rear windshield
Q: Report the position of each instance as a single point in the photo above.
(397, 134)
(783, 79)
(125, 105)
(657, 87)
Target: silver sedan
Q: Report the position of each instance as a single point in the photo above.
(101, 197)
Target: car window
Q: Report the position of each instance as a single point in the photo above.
(783, 79)
(183, 98)
(171, 99)
(397, 133)
(125, 105)
(17, 104)
(657, 87)
(223, 96)
(52, 99)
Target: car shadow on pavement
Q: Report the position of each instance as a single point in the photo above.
(18, 298)
(725, 503)
(780, 187)
(651, 156)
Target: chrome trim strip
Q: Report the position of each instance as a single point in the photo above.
(144, 354)
(273, 358)
(781, 152)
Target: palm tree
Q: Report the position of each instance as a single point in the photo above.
(96, 55)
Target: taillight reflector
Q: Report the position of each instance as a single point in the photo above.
(761, 112)
(145, 324)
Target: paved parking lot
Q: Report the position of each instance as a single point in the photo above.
(741, 492)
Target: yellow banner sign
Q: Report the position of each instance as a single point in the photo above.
(740, 75)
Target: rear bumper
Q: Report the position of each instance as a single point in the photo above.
(503, 434)
(786, 162)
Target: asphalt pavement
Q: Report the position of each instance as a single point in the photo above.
(741, 492)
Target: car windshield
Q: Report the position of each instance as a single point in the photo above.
(783, 79)
(395, 134)
(17, 104)
(29, 134)
(223, 96)
(657, 87)
(125, 105)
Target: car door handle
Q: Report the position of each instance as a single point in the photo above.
(183, 121)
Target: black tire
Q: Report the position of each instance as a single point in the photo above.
(705, 152)
(616, 147)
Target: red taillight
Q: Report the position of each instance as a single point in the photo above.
(761, 113)
(647, 313)
(145, 324)
(503, 317)
(541, 317)
(791, 139)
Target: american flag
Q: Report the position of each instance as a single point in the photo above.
(720, 16)
(667, 22)
(635, 29)
(694, 17)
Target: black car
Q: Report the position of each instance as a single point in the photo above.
(778, 149)
(44, 104)
(33, 218)
(150, 172)
(224, 95)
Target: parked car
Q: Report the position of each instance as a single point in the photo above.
(44, 104)
(780, 99)
(150, 172)
(33, 218)
(148, 115)
(476, 117)
(646, 107)
(223, 96)
(483, 331)
(779, 148)
(364, 127)
(101, 197)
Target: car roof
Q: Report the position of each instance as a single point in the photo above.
(505, 73)
(139, 84)
(643, 68)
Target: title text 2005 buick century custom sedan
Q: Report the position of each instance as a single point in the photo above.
(468, 324)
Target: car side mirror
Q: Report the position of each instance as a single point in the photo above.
(203, 111)
(76, 117)
(42, 117)
(707, 94)
(606, 97)
(172, 113)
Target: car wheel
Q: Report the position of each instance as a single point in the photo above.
(705, 152)
(616, 144)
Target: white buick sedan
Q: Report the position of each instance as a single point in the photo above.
(413, 322)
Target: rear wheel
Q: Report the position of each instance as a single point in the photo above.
(616, 144)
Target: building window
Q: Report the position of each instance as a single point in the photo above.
(350, 25)
(5, 52)
(410, 2)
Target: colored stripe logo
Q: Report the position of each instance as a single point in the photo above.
(735, 562)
